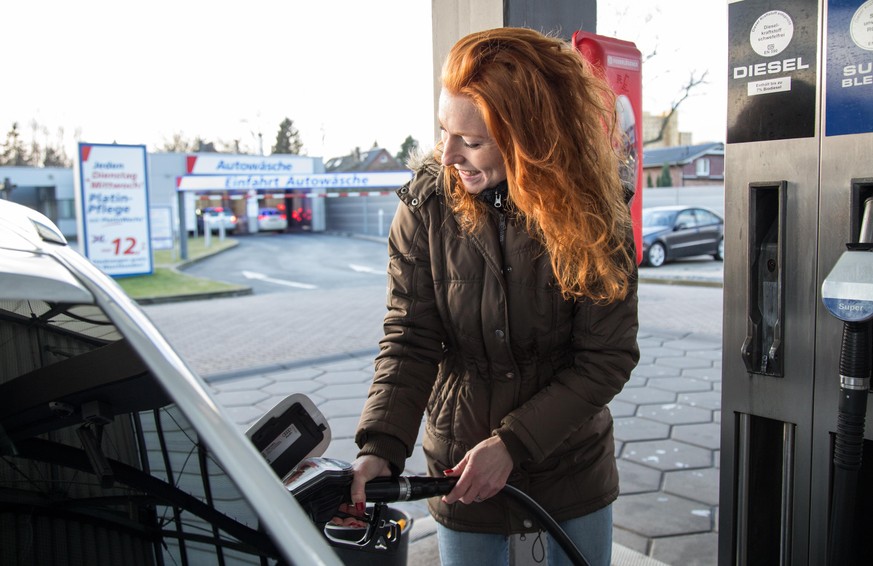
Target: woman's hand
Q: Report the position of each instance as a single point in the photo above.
(483, 472)
(365, 469)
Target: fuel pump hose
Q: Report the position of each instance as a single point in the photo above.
(855, 367)
(411, 488)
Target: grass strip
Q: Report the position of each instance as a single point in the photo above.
(167, 281)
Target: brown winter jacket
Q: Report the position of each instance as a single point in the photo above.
(477, 334)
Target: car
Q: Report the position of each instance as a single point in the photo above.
(215, 217)
(672, 232)
(272, 219)
(113, 450)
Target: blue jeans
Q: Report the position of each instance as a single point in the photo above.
(592, 535)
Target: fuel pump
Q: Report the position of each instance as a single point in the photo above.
(847, 293)
(797, 460)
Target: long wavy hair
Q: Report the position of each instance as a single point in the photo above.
(554, 120)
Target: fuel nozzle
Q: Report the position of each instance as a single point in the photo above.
(321, 485)
(407, 488)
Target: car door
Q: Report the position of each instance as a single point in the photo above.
(710, 230)
(683, 241)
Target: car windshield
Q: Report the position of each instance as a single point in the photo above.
(658, 217)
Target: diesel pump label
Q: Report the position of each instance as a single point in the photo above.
(772, 60)
(849, 102)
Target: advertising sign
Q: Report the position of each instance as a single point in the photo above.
(772, 70)
(849, 104)
(219, 164)
(114, 208)
(328, 181)
(622, 65)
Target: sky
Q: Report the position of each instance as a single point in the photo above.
(349, 73)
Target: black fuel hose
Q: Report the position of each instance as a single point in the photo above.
(549, 523)
(412, 488)
(855, 365)
(844, 535)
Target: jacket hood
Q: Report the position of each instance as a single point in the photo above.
(422, 159)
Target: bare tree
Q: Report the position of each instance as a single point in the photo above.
(178, 143)
(649, 42)
(693, 81)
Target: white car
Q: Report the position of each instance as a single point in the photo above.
(104, 429)
(216, 217)
(272, 219)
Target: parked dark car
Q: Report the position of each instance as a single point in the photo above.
(672, 232)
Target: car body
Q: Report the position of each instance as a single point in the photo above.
(672, 232)
(270, 219)
(104, 430)
(214, 217)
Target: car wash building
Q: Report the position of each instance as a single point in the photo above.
(296, 186)
(240, 185)
(183, 184)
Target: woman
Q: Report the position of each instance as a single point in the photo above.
(512, 308)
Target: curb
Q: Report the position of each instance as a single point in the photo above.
(193, 297)
(179, 267)
(682, 281)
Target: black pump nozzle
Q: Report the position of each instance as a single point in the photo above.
(407, 488)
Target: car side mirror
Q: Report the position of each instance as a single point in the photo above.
(680, 226)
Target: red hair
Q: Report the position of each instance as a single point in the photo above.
(554, 121)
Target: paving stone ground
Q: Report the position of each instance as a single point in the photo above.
(254, 350)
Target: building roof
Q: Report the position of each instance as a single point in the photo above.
(375, 159)
(680, 155)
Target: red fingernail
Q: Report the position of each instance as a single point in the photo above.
(361, 507)
(449, 471)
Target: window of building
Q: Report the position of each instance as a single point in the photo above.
(66, 208)
(702, 167)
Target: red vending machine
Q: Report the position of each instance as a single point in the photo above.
(621, 64)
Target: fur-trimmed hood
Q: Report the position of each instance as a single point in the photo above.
(423, 159)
